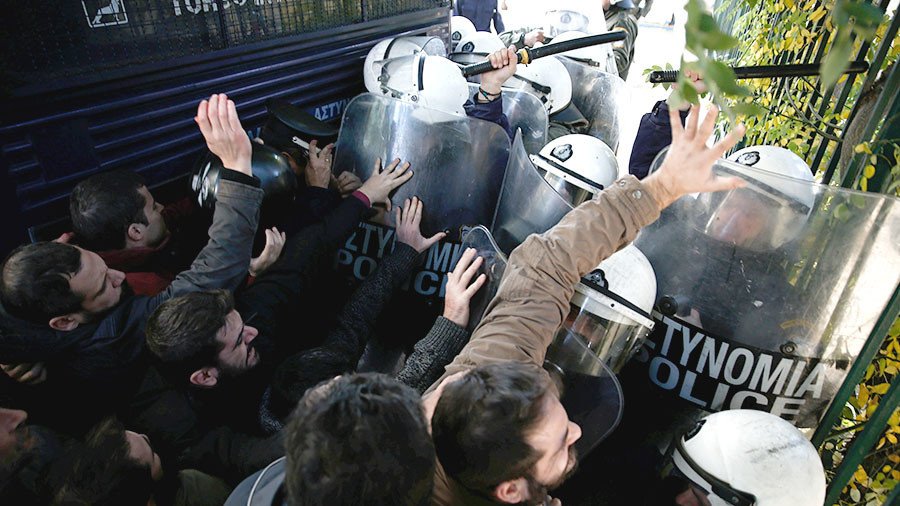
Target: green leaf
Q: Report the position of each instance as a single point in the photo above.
(836, 61)
(748, 109)
(689, 92)
(858, 201)
(842, 212)
(865, 14)
(724, 78)
(752, 3)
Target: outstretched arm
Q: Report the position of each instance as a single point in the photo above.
(357, 319)
(223, 261)
(533, 297)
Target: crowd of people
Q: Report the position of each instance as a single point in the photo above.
(145, 366)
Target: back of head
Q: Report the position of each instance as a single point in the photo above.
(35, 281)
(359, 439)
(481, 422)
(103, 206)
(102, 472)
(741, 453)
(182, 331)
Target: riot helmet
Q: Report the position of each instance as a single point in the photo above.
(547, 79)
(475, 48)
(577, 166)
(745, 457)
(271, 167)
(610, 310)
(460, 27)
(394, 48)
(771, 209)
(431, 81)
(563, 20)
(595, 56)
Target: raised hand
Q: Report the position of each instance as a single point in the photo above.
(270, 253)
(408, 219)
(504, 63)
(225, 137)
(459, 290)
(382, 182)
(687, 167)
(318, 168)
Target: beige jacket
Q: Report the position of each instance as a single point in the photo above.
(533, 297)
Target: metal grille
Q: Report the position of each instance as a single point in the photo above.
(46, 41)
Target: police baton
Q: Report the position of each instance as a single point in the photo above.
(763, 71)
(528, 55)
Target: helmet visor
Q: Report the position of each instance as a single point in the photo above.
(609, 330)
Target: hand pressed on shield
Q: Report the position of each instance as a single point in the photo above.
(224, 135)
(270, 253)
(687, 167)
(461, 289)
(347, 183)
(382, 182)
(28, 374)
(318, 168)
(408, 218)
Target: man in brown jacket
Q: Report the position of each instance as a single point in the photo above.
(500, 432)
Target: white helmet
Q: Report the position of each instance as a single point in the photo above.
(431, 81)
(743, 457)
(460, 27)
(475, 48)
(546, 78)
(565, 20)
(395, 48)
(772, 208)
(611, 307)
(595, 56)
(577, 166)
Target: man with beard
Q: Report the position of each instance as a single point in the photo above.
(221, 351)
(500, 432)
(26, 455)
(93, 348)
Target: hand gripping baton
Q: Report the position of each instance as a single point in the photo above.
(527, 55)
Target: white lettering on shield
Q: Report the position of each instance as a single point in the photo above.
(716, 374)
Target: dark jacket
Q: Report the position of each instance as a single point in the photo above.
(190, 427)
(97, 365)
(654, 134)
(480, 13)
(489, 111)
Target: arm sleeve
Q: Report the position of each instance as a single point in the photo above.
(357, 319)
(654, 134)
(432, 354)
(224, 260)
(533, 297)
(498, 21)
(489, 111)
(305, 255)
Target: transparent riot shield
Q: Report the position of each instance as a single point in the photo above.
(589, 391)
(458, 163)
(525, 112)
(492, 267)
(767, 295)
(599, 96)
(528, 204)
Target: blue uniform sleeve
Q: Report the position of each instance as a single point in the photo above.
(488, 111)
(654, 134)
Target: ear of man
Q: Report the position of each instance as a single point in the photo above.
(136, 232)
(65, 322)
(512, 491)
(205, 377)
